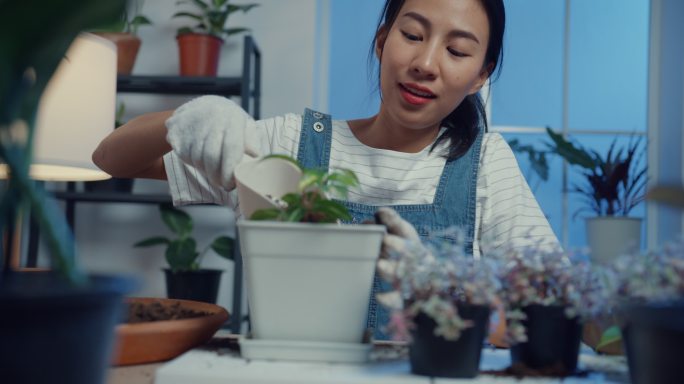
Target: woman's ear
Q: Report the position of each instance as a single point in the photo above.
(380, 38)
(484, 75)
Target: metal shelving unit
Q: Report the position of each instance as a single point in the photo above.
(247, 86)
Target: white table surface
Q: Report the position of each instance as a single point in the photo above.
(201, 366)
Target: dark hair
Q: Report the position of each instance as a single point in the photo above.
(463, 123)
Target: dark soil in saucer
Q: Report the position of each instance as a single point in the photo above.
(156, 311)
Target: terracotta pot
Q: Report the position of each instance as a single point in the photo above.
(199, 54)
(153, 341)
(127, 47)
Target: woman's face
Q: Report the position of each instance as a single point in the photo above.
(431, 59)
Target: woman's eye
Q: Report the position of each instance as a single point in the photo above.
(410, 36)
(456, 53)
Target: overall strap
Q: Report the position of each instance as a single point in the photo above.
(315, 140)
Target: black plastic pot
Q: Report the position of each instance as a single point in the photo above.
(200, 285)
(114, 184)
(654, 337)
(435, 356)
(553, 340)
(53, 332)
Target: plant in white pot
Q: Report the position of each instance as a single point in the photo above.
(55, 326)
(185, 279)
(614, 185)
(199, 46)
(441, 302)
(547, 297)
(309, 278)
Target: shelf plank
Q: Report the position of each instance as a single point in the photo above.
(178, 85)
(113, 197)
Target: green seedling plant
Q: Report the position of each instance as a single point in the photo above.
(311, 202)
(211, 17)
(181, 252)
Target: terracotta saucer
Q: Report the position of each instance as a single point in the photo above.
(154, 341)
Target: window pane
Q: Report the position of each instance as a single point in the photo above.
(529, 90)
(608, 64)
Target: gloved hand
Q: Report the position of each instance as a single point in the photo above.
(212, 134)
(400, 233)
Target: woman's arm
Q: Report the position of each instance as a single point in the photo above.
(135, 149)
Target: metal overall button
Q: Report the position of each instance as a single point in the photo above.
(318, 115)
(318, 126)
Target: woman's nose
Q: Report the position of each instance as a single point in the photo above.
(425, 61)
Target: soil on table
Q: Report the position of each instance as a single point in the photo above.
(156, 311)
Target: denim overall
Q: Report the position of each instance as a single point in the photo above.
(453, 204)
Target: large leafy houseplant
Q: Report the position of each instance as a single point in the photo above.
(54, 326)
(614, 183)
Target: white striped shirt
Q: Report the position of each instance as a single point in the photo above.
(506, 210)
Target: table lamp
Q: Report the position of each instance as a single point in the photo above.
(76, 111)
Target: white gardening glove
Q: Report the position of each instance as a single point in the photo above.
(212, 134)
(400, 236)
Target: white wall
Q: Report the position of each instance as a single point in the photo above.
(286, 33)
(666, 114)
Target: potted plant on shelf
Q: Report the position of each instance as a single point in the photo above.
(651, 310)
(441, 303)
(308, 278)
(614, 185)
(55, 326)
(199, 46)
(547, 297)
(184, 277)
(124, 34)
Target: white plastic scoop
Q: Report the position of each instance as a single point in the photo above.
(261, 180)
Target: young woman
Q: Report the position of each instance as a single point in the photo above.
(426, 153)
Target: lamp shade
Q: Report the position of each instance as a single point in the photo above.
(76, 111)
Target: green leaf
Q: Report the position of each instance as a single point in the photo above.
(311, 177)
(265, 214)
(157, 240)
(178, 221)
(232, 31)
(223, 246)
(181, 253)
(332, 210)
(187, 14)
(567, 150)
(610, 335)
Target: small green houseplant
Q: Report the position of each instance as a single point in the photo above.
(311, 264)
(206, 35)
(185, 279)
(124, 33)
(441, 300)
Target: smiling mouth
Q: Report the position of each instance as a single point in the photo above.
(418, 92)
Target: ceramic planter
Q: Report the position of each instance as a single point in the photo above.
(52, 331)
(435, 356)
(609, 237)
(127, 47)
(199, 54)
(654, 337)
(201, 285)
(552, 339)
(309, 282)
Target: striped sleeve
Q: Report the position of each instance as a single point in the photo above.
(508, 211)
(189, 185)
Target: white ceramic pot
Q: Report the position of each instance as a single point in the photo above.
(610, 237)
(309, 282)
